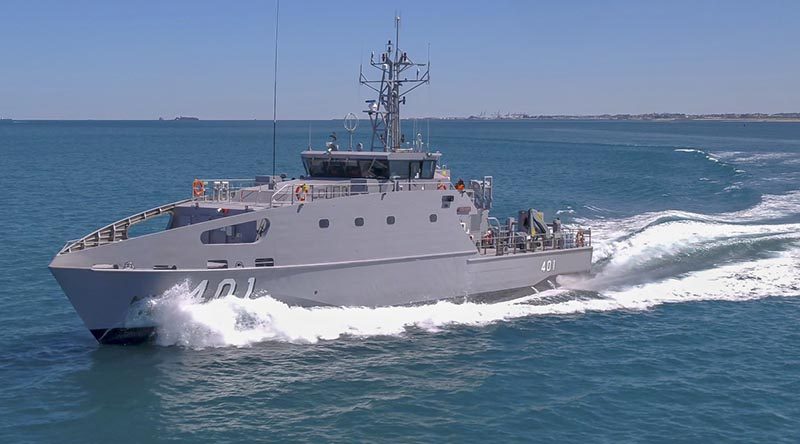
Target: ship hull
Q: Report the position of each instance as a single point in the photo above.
(109, 301)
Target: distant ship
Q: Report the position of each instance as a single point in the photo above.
(186, 118)
(367, 227)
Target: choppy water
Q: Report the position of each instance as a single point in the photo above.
(687, 331)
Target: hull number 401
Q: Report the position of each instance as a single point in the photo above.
(549, 265)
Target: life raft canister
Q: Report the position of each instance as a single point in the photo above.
(198, 188)
(300, 192)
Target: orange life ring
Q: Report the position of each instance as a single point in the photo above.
(300, 192)
(441, 186)
(198, 188)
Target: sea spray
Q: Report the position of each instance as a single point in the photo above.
(234, 321)
(629, 254)
(231, 321)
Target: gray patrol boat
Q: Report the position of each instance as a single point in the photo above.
(378, 227)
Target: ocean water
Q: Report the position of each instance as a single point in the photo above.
(688, 329)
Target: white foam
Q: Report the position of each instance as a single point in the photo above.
(624, 246)
(778, 276)
(685, 235)
(756, 157)
(231, 321)
(771, 208)
(709, 156)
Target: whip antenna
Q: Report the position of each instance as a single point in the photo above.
(275, 89)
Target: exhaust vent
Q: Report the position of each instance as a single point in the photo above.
(214, 264)
(265, 262)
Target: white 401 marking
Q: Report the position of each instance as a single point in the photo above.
(549, 265)
(225, 288)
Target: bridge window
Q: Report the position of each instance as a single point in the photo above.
(368, 168)
(428, 168)
(359, 221)
(401, 169)
(243, 233)
(347, 168)
(324, 223)
(413, 169)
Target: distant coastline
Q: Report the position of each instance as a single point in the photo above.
(655, 117)
(743, 117)
(181, 118)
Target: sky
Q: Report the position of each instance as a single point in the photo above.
(83, 59)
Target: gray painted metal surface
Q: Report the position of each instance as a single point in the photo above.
(361, 229)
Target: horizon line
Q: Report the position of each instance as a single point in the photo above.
(507, 116)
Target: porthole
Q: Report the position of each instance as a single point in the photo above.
(389, 220)
(324, 223)
(432, 218)
(359, 221)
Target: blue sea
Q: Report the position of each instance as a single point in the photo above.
(687, 330)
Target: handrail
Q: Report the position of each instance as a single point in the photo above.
(225, 190)
(503, 243)
(292, 192)
(302, 192)
(118, 230)
(251, 192)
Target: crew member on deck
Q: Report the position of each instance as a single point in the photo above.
(460, 185)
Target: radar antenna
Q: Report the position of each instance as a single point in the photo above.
(275, 93)
(350, 124)
(384, 113)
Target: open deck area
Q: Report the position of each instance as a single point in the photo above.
(505, 243)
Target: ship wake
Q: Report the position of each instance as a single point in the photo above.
(640, 263)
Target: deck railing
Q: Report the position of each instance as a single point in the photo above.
(118, 230)
(502, 242)
(294, 192)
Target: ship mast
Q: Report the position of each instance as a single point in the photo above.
(384, 113)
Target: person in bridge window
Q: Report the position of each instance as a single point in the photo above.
(460, 185)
